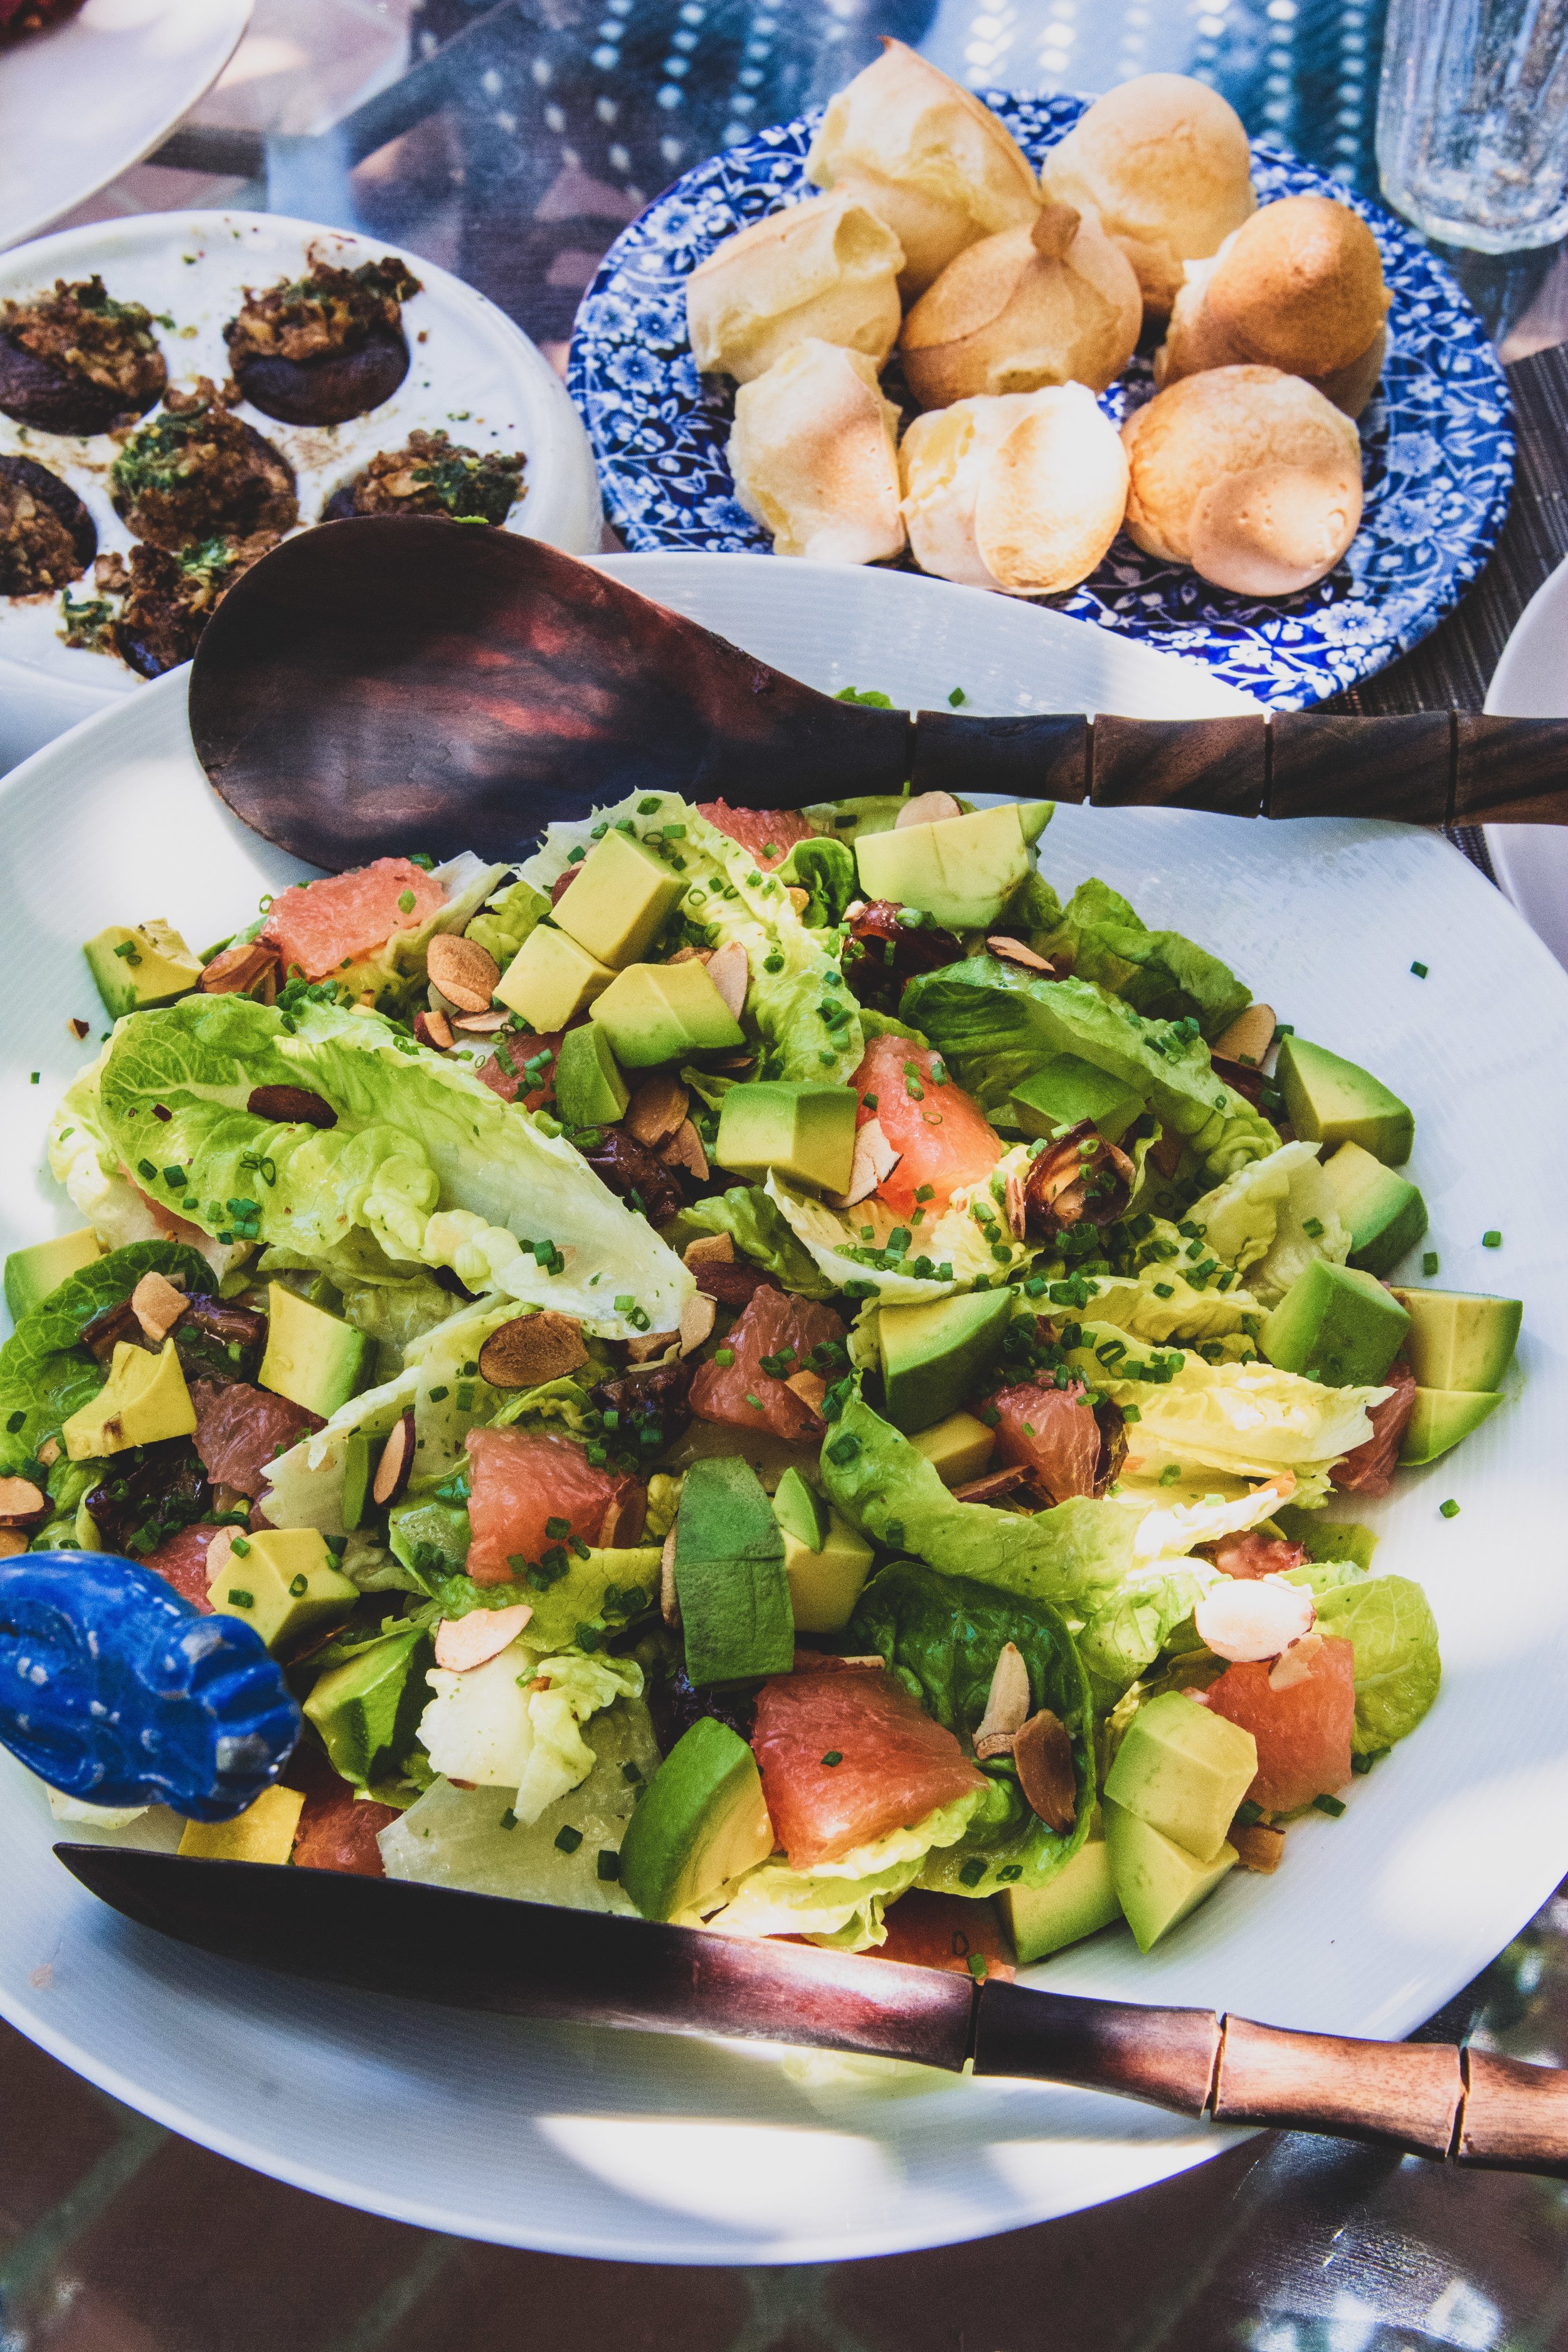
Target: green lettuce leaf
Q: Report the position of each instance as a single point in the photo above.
(980, 1254)
(1389, 1624)
(839, 1903)
(1257, 1220)
(757, 1226)
(1159, 973)
(1125, 1632)
(496, 1727)
(46, 1373)
(826, 869)
(1242, 1420)
(507, 919)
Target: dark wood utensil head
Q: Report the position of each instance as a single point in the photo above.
(395, 682)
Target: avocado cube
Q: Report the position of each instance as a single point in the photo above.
(143, 1401)
(825, 1579)
(1332, 1101)
(264, 1833)
(1383, 1214)
(1441, 1417)
(729, 1576)
(656, 1013)
(1078, 1902)
(1323, 1538)
(551, 979)
(356, 1479)
(1340, 1325)
(805, 1131)
(800, 1510)
(958, 1449)
(621, 900)
(313, 1358)
(1065, 1090)
(1459, 1339)
(700, 1822)
(31, 1274)
(1157, 1881)
(589, 1088)
(1184, 1771)
(368, 1709)
(141, 965)
(933, 1355)
(282, 1582)
(960, 872)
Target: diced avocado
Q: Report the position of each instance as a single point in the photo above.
(850, 820)
(551, 979)
(1332, 1101)
(313, 1358)
(824, 1579)
(368, 1709)
(932, 1356)
(1386, 1215)
(806, 1132)
(589, 1089)
(1323, 1539)
(958, 1449)
(656, 1013)
(1184, 1771)
(1067, 1089)
(1157, 1881)
(282, 1582)
(1442, 1416)
(800, 1510)
(146, 964)
(1340, 1325)
(1078, 1901)
(263, 1832)
(620, 901)
(356, 1479)
(1459, 1339)
(729, 1576)
(143, 1401)
(700, 1822)
(960, 872)
(32, 1273)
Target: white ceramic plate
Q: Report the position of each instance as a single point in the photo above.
(476, 377)
(646, 2149)
(81, 103)
(1530, 681)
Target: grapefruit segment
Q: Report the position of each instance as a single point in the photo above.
(182, 1560)
(1303, 1729)
(894, 1762)
(1368, 1469)
(1053, 1433)
(781, 1332)
(533, 1493)
(943, 1136)
(318, 927)
(769, 834)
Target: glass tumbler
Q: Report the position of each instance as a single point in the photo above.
(1472, 120)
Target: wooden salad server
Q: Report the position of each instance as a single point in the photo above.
(532, 1959)
(389, 682)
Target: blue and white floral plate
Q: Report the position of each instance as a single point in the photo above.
(1437, 440)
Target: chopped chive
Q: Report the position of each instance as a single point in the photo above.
(1332, 1806)
(1169, 1473)
(1419, 970)
(609, 1863)
(242, 1600)
(438, 1396)
(1314, 1228)
(754, 1402)
(241, 1547)
(406, 903)
(1450, 1509)
(1248, 1813)
(724, 1358)
(631, 1772)
(1430, 1261)
(957, 697)
(834, 1756)
(1493, 1239)
(509, 1820)
(971, 1873)
(567, 1840)
(298, 1584)
(978, 1967)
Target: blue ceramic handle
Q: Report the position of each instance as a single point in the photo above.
(115, 1689)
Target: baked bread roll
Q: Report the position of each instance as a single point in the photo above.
(1249, 475)
(1053, 303)
(827, 268)
(1166, 163)
(1299, 287)
(1023, 492)
(814, 458)
(928, 159)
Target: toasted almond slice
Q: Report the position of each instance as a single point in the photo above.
(711, 1249)
(669, 1606)
(219, 1552)
(988, 1744)
(466, 973)
(875, 1161)
(434, 1029)
(20, 1500)
(49, 1452)
(157, 1307)
(12, 1542)
(1250, 1035)
(1007, 1701)
(649, 1346)
(396, 1462)
(855, 907)
(1248, 1618)
(79, 1028)
(238, 969)
(1046, 1775)
(799, 900)
(532, 1349)
(1294, 1665)
(927, 808)
(693, 955)
(481, 1025)
(659, 1108)
(622, 1523)
(1016, 1225)
(732, 975)
(1015, 951)
(697, 1320)
(684, 1150)
(809, 1387)
(1259, 1847)
(996, 1487)
(464, 1642)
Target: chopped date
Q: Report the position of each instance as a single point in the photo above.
(152, 1492)
(657, 1402)
(675, 1705)
(290, 1106)
(241, 1430)
(217, 1341)
(882, 955)
(113, 1325)
(1081, 1179)
(628, 1168)
(732, 1282)
(1242, 1077)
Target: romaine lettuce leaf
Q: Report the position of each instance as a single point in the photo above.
(1389, 1623)
(507, 919)
(757, 1226)
(1125, 1632)
(46, 1373)
(1260, 1220)
(1159, 973)
(84, 1161)
(835, 1239)
(826, 869)
(1244, 1419)
(839, 1903)
(514, 1722)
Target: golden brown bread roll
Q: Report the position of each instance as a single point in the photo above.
(1166, 163)
(1299, 287)
(1023, 492)
(928, 159)
(814, 458)
(827, 268)
(1053, 303)
(1249, 475)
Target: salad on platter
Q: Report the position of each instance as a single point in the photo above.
(759, 1370)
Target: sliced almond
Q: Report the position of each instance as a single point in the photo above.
(732, 975)
(434, 1029)
(1296, 1664)
(79, 1028)
(711, 1249)
(995, 1485)
(396, 1462)
(697, 1320)
(623, 1521)
(464, 1642)
(1015, 951)
(219, 1553)
(1046, 1773)
(927, 808)
(1007, 1701)
(1250, 1035)
(49, 1452)
(657, 1109)
(532, 1349)
(684, 1150)
(13, 1543)
(693, 955)
(647, 1347)
(873, 1162)
(481, 1025)
(157, 1307)
(809, 1387)
(466, 973)
(1260, 1847)
(799, 900)
(669, 1606)
(238, 970)
(20, 1500)
(1016, 1225)
(855, 907)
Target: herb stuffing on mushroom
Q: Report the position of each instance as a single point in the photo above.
(322, 348)
(196, 472)
(47, 536)
(77, 361)
(433, 476)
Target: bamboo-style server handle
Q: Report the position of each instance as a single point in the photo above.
(1425, 2098)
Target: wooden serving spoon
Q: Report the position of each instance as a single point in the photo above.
(389, 680)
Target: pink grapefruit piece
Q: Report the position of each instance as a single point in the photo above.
(847, 1757)
(944, 1135)
(318, 927)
